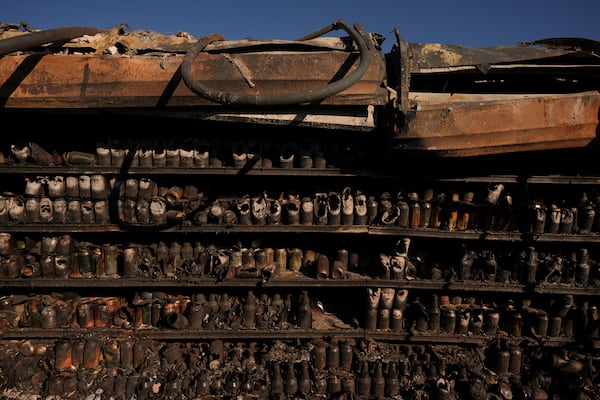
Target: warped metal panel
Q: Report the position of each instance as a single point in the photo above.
(91, 81)
(469, 125)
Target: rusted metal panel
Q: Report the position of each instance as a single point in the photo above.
(468, 125)
(433, 55)
(144, 69)
(89, 81)
(461, 101)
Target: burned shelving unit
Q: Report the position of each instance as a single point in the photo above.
(230, 247)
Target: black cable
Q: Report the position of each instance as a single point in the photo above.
(34, 39)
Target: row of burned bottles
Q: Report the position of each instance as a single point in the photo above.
(385, 310)
(65, 257)
(320, 368)
(422, 377)
(159, 310)
(87, 199)
(581, 217)
(195, 153)
(58, 257)
(528, 266)
(392, 310)
(315, 369)
(288, 381)
(493, 211)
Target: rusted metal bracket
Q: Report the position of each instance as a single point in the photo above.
(401, 101)
(404, 82)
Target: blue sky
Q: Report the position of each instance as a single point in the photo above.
(470, 23)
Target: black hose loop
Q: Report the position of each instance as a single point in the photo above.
(279, 99)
